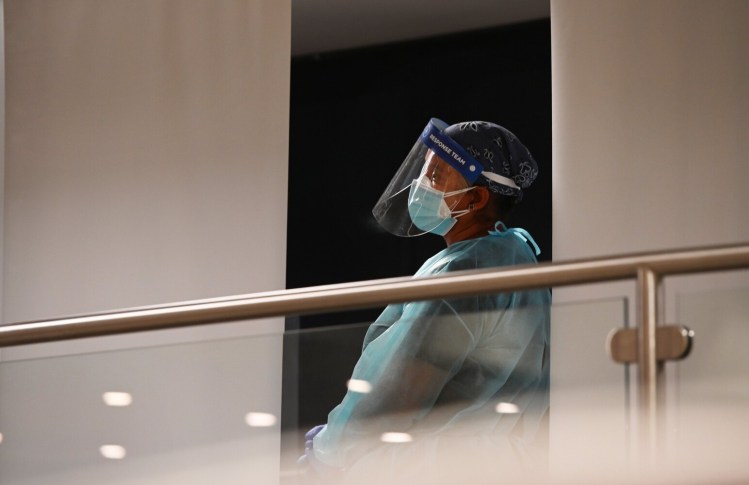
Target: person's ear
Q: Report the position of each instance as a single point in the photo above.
(480, 197)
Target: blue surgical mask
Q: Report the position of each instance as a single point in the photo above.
(428, 209)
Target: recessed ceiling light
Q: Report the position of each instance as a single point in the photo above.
(358, 385)
(396, 438)
(117, 398)
(260, 420)
(113, 452)
(507, 408)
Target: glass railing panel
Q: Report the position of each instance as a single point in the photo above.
(589, 415)
(590, 399)
(318, 362)
(206, 412)
(707, 417)
(236, 410)
(443, 394)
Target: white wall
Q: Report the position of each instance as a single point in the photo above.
(146, 154)
(651, 150)
(650, 124)
(2, 151)
(145, 162)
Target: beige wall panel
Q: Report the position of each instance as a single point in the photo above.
(146, 157)
(650, 125)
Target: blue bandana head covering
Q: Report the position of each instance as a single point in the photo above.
(500, 152)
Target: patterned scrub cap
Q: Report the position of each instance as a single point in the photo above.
(500, 152)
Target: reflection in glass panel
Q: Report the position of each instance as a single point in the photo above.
(708, 424)
(590, 418)
(452, 394)
(211, 413)
(117, 398)
(198, 413)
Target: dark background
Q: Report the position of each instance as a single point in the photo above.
(354, 117)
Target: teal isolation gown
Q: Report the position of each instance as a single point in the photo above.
(474, 368)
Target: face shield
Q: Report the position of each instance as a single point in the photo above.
(426, 191)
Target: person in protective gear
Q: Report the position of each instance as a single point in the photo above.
(468, 370)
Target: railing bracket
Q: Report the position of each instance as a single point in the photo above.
(672, 342)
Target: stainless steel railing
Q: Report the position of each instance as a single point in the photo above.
(380, 292)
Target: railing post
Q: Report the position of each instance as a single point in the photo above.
(650, 375)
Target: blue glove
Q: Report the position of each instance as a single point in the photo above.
(310, 436)
(320, 468)
(308, 458)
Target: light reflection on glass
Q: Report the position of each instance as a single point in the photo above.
(507, 408)
(1, 437)
(396, 437)
(117, 398)
(113, 452)
(260, 420)
(358, 385)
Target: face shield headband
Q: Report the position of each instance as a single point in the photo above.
(458, 157)
(444, 147)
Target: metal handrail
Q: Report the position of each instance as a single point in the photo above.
(376, 292)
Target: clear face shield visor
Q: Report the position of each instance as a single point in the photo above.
(423, 195)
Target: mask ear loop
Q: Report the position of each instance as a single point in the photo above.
(457, 214)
